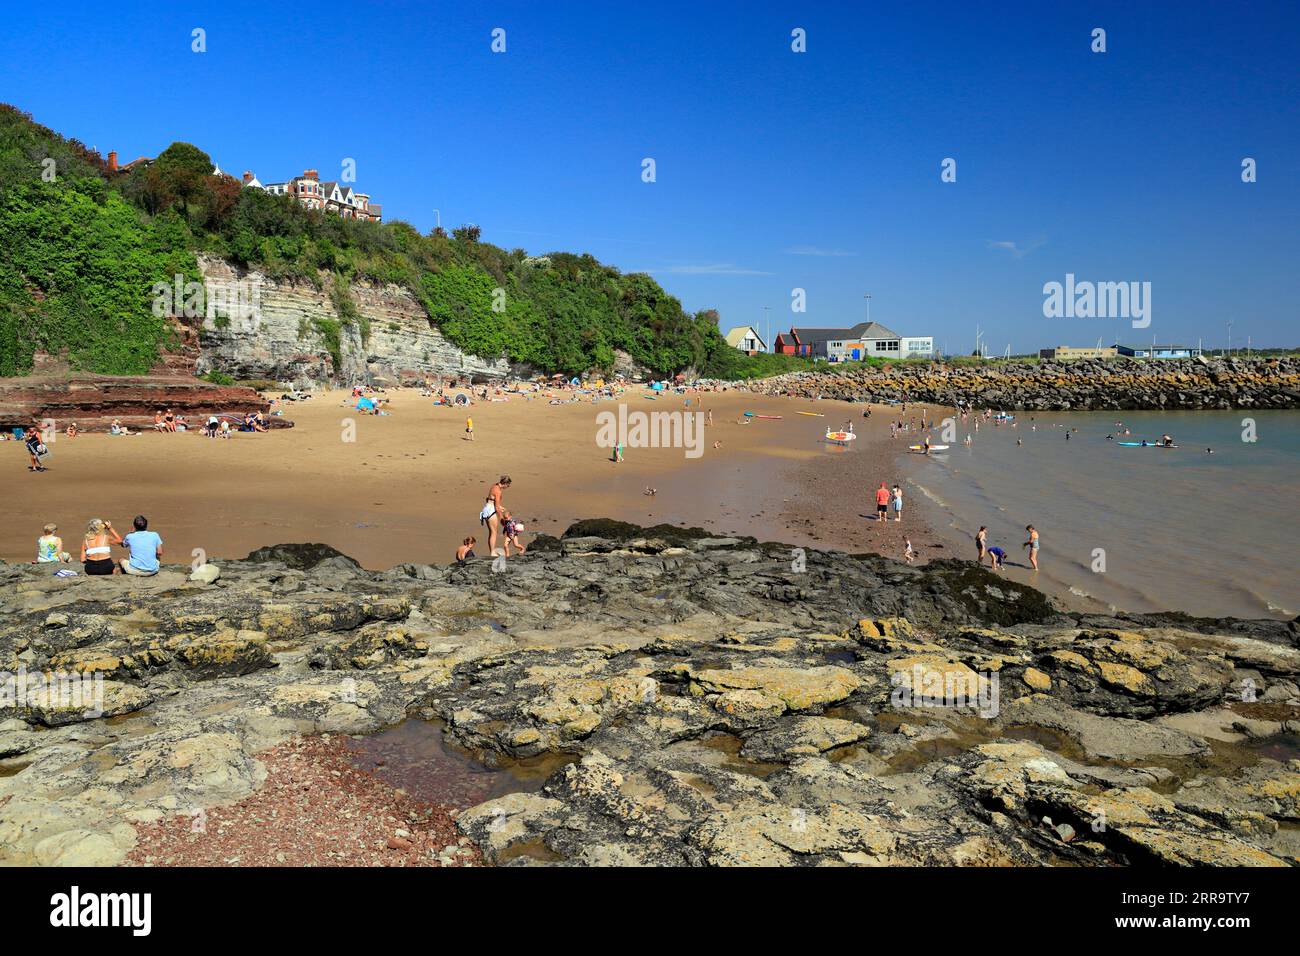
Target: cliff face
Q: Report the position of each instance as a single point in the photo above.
(1087, 384)
(290, 338)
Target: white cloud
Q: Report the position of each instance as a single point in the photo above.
(1017, 251)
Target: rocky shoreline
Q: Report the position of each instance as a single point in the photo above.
(710, 701)
(1081, 385)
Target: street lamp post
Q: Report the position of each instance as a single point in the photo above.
(868, 298)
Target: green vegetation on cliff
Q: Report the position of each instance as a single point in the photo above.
(80, 251)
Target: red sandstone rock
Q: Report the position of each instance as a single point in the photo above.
(93, 401)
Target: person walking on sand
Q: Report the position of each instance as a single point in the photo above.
(36, 449)
(882, 502)
(908, 554)
(898, 503)
(491, 513)
(469, 429)
(981, 543)
(1032, 545)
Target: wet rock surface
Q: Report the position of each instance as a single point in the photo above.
(694, 700)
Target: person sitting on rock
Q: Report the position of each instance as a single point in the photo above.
(96, 550)
(49, 547)
(146, 548)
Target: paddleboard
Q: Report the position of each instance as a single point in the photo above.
(841, 437)
(1138, 444)
(811, 414)
(771, 417)
(922, 448)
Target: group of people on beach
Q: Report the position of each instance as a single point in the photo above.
(889, 499)
(997, 556)
(144, 549)
(501, 524)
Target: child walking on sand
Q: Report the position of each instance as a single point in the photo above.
(469, 429)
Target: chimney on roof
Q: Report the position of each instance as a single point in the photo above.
(112, 160)
(310, 174)
(248, 177)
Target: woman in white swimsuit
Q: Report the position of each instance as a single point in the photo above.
(97, 550)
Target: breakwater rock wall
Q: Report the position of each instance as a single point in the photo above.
(708, 701)
(298, 336)
(1060, 385)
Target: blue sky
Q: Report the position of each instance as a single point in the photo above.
(775, 170)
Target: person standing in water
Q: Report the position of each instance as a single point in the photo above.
(1032, 545)
(898, 503)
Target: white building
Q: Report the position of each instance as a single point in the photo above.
(747, 339)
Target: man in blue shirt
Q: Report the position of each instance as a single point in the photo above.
(146, 548)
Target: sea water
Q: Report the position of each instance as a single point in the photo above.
(1138, 529)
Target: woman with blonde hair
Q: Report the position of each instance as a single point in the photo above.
(97, 550)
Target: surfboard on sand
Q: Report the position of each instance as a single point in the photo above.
(812, 414)
(775, 418)
(922, 448)
(841, 437)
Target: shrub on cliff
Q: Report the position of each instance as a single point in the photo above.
(77, 267)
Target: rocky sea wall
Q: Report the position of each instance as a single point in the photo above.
(1059, 385)
(710, 701)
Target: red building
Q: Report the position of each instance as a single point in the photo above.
(787, 343)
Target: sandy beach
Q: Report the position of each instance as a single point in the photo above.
(409, 487)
